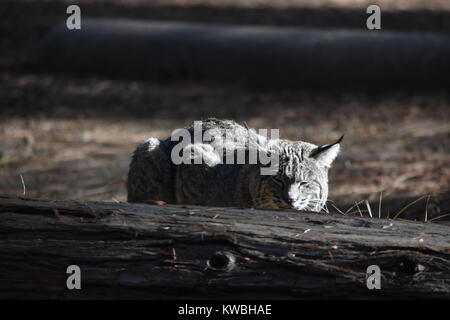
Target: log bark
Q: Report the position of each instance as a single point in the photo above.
(157, 252)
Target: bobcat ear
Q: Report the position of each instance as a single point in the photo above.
(326, 153)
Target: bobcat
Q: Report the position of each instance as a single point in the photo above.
(300, 181)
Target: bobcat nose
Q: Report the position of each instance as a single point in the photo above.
(290, 201)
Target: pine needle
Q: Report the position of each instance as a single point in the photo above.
(356, 203)
(337, 209)
(368, 208)
(406, 207)
(23, 186)
(379, 205)
(441, 216)
(426, 209)
(360, 213)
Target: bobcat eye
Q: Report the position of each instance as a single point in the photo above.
(303, 183)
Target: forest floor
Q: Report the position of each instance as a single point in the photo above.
(71, 137)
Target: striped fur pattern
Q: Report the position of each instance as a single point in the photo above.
(301, 181)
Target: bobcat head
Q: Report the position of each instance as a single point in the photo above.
(301, 181)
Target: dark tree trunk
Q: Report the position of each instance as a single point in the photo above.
(145, 251)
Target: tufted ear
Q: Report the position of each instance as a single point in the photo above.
(326, 153)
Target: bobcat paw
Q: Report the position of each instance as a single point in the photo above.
(202, 154)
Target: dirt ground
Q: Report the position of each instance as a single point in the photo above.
(76, 141)
(71, 137)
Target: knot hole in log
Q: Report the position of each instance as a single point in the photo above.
(410, 267)
(222, 260)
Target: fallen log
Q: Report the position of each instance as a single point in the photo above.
(145, 251)
(260, 57)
